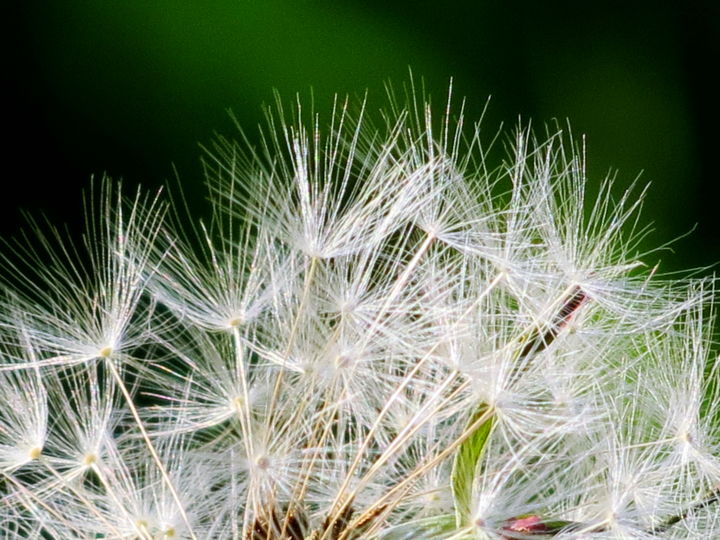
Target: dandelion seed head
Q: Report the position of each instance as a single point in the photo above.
(377, 333)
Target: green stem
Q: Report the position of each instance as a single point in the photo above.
(466, 463)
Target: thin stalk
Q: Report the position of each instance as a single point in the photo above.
(244, 414)
(118, 503)
(711, 498)
(91, 507)
(309, 276)
(479, 421)
(33, 497)
(401, 388)
(149, 444)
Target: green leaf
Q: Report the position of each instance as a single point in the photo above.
(556, 526)
(466, 462)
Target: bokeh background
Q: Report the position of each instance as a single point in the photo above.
(130, 88)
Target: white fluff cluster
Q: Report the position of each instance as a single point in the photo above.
(377, 334)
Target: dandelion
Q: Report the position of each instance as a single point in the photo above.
(378, 333)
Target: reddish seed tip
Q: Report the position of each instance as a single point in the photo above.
(528, 524)
(571, 306)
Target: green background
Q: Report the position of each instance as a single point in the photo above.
(130, 88)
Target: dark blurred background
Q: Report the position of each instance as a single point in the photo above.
(129, 88)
